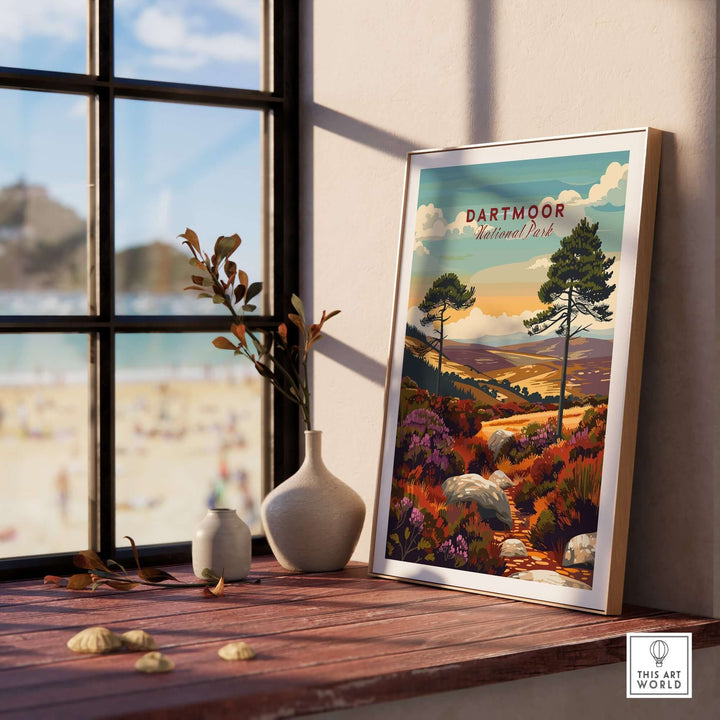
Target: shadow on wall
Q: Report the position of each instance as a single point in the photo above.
(357, 361)
(479, 71)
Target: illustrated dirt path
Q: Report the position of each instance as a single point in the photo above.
(536, 559)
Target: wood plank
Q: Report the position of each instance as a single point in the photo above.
(402, 674)
(285, 648)
(324, 641)
(223, 620)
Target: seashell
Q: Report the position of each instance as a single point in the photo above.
(138, 640)
(236, 651)
(154, 662)
(94, 640)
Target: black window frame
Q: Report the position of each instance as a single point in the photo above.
(281, 103)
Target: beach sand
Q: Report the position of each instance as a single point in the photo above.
(181, 446)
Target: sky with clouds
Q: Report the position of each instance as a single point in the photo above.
(508, 262)
(176, 166)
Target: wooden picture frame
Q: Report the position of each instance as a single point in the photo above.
(513, 381)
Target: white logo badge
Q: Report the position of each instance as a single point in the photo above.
(659, 665)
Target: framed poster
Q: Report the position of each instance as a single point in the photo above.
(515, 364)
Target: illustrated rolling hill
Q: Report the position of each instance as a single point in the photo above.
(534, 367)
(580, 347)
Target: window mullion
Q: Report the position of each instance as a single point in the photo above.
(102, 510)
(285, 214)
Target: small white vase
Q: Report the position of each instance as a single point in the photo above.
(223, 544)
(313, 520)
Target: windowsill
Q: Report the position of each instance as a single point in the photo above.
(323, 641)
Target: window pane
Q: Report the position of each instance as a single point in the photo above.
(44, 34)
(190, 41)
(43, 203)
(188, 436)
(43, 443)
(181, 166)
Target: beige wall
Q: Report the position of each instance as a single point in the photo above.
(381, 78)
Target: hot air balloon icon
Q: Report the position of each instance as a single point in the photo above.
(659, 650)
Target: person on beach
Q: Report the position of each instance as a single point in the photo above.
(62, 484)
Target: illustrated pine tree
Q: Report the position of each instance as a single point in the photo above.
(577, 287)
(445, 295)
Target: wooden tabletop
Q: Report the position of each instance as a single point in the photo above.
(323, 641)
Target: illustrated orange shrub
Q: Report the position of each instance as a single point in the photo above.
(571, 508)
(483, 460)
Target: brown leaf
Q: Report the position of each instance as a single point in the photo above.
(134, 551)
(150, 574)
(79, 581)
(282, 331)
(239, 292)
(242, 278)
(253, 290)
(55, 580)
(226, 246)
(155, 575)
(191, 239)
(297, 303)
(297, 321)
(119, 584)
(89, 560)
(264, 370)
(223, 343)
(216, 591)
(313, 339)
(238, 331)
(230, 269)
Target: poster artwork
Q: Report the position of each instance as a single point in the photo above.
(506, 367)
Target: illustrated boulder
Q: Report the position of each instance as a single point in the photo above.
(491, 500)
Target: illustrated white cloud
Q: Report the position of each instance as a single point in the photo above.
(429, 223)
(533, 270)
(461, 226)
(474, 325)
(477, 324)
(541, 263)
(414, 316)
(610, 190)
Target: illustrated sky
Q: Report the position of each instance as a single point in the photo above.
(176, 165)
(506, 259)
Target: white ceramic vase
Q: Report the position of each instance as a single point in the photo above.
(222, 543)
(313, 520)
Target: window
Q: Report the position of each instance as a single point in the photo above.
(124, 123)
